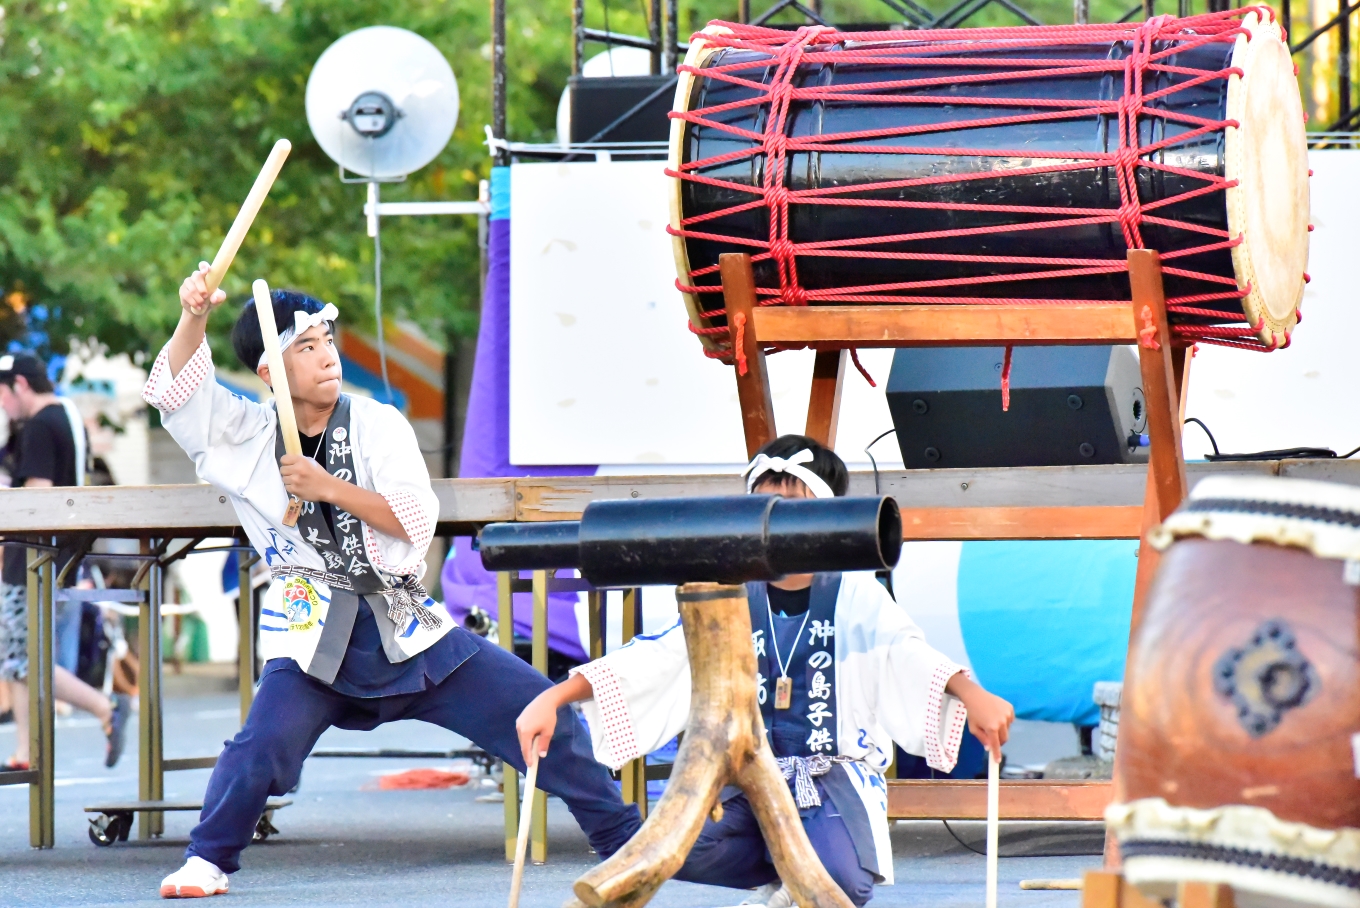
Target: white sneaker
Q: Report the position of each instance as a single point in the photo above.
(195, 880)
(771, 895)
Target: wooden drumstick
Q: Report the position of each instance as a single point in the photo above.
(278, 379)
(993, 823)
(245, 217)
(525, 821)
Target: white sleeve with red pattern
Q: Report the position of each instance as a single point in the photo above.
(641, 696)
(168, 393)
(892, 678)
(209, 422)
(397, 470)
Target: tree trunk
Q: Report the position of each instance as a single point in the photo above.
(724, 744)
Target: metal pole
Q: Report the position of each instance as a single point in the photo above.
(1183, 8)
(672, 36)
(1285, 19)
(654, 33)
(578, 36)
(1081, 11)
(744, 11)
(1343, 63)
(500, 156)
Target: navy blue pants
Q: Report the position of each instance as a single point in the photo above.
(732, 852)
(479, 701)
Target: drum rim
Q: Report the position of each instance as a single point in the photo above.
(1272, 331)
(1236, 827)
(699, 52)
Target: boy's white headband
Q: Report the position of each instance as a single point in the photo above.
(792, 466)
(303, 321)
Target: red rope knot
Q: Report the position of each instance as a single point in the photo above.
(739, 342)
(1147, 335)
(1310, 228)
(1307, 278)
(1006, 380)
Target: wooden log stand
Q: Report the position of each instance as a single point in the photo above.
(724, 744)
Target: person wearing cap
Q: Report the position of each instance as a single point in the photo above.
(350, 638)
(46, 448)
(842, 674)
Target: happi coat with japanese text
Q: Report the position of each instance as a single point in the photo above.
(863, 678)
(233, 443)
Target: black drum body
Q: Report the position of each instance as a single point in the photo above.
(997, 166)
(1087, 187)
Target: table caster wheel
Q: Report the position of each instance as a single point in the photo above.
(263, 829)
(103, 830)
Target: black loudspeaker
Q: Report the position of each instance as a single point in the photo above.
(1069, 405)
(621, 109)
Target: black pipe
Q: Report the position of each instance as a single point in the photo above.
(680, 540)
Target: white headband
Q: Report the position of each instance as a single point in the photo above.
(763, 464)
(303, 321)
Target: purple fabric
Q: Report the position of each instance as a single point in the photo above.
(486, 452)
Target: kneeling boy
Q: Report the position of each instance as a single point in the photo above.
(843, 672)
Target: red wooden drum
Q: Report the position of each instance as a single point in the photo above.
(1239, 733)
(997, 165)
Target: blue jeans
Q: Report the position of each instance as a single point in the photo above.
(67, 631)
(480, 701)
(732, 852)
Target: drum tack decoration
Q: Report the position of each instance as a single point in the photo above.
(996, 166)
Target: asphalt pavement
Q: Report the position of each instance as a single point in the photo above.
(346, 843)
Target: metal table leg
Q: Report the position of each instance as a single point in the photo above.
(41, 700)
(245, 651)
(634, 773)
(505, 618)
(538, 831)
(150, 769)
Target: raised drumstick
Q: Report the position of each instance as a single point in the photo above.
(278, 379)
(246, 216)
(525, 818)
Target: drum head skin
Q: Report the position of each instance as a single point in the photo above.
(1268, 157)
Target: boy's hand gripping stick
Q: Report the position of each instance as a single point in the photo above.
(278, 379)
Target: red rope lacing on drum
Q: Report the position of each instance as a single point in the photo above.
(787, 50)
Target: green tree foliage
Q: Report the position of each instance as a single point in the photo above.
(130, 130)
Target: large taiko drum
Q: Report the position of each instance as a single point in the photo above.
(991, 165)
(1239, 733)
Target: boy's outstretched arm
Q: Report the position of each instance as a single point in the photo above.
(193, 294)
(539, 719)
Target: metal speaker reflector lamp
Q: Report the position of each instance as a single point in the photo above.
(382, 102)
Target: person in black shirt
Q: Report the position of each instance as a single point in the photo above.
(46, 448)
